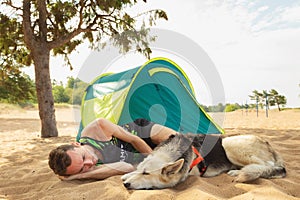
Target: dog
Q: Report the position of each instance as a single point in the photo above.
(246, 157)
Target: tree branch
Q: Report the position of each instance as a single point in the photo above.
(63, 40)
(28, 32)
(41, 6)
(82, 5)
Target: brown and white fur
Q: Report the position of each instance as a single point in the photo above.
(247, 157)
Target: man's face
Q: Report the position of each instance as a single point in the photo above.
(81, 161)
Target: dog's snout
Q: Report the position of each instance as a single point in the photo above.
(127, 185)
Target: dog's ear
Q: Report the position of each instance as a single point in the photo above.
(172, 168)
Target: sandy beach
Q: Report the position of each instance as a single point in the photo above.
(24, 171)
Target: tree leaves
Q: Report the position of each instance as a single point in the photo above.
(16, 87)
(276, 99)
(91, 20)
(272, 98)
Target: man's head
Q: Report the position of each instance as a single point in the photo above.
(59, 160)
(71, 159)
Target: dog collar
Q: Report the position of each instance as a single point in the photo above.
(199, 159)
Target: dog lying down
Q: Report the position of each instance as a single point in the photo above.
(246, 157)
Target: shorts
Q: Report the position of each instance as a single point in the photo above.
(141, 128)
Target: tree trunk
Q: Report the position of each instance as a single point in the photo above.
(278, 106)
(40, 52)
(41, 58)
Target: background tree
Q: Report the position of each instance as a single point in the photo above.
(266, 97)
(276, 99)
(271, 98)
(72, 93)
(39, 27)
(258, 97)
(214, 108)
(15, 86)
(232, 107)
(76, 88)
(60, 94)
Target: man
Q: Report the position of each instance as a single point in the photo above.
(106, 149)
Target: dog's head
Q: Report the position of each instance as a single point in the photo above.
(150, 175)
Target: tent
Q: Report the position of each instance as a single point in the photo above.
(159, 91)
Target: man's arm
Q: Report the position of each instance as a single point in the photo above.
(120, 133)
(102, 171)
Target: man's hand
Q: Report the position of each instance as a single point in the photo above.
(69, 178)
(63, 178)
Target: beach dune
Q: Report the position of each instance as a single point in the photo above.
(24, 171)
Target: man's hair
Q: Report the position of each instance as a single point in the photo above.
(59, 160)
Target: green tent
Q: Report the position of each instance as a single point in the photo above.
(159, 91)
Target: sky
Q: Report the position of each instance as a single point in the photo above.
(254, 45)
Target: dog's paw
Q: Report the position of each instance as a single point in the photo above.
(246, 177)
(234, 172)
(242, 177)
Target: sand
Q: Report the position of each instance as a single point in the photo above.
(24, 172)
